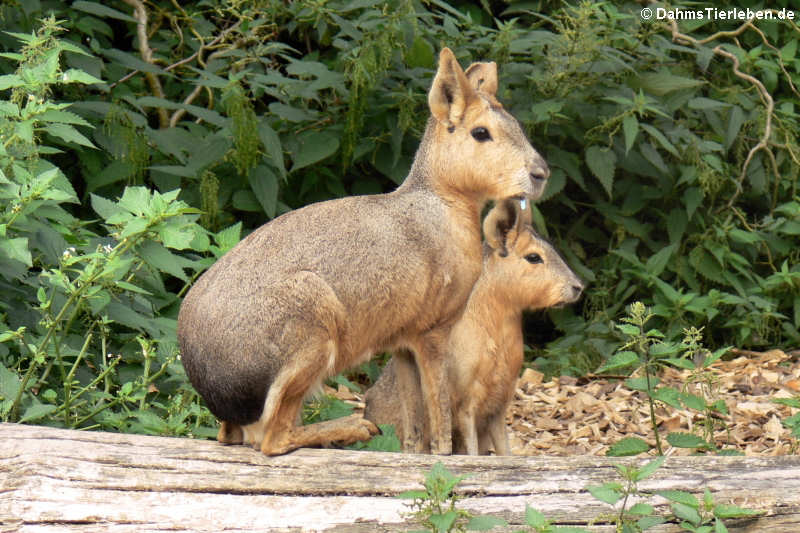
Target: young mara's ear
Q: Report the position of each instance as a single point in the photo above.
(502, 221)
(483, 77)
(451, 92)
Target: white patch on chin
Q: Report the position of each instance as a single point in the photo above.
(523, 181)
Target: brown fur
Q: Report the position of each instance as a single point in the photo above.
(485, 345)
(323, 288)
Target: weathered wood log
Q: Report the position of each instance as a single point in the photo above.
(60, 480)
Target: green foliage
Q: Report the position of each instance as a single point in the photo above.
(435, 507)
(646, 351)
(640, 516)
(792, 422)
(87, 341)
(692, 514)
(705, 516)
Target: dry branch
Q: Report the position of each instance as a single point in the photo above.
(60, 480)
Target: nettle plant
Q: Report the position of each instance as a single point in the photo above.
(86, 331)
(645, 351)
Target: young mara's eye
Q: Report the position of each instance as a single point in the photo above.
(481, 134)
(534, 259)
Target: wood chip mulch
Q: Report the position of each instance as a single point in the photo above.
(566, 416)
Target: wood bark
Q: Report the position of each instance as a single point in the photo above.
(61, 480)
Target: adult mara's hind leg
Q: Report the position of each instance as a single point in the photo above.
(308, 354)
(281, 432)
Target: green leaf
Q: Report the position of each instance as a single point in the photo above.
(484, 523)
(413, 495)
(74, 75)
(314, 147)
(68, 133)
(602, 161)
(36, 412)
(9, 383)
(693, 401)
(104, 207)
(735, 121)
(627, 447)
(641, 509)
(686, 512)
(692, 198)
(421, 54)
(272, 144)
(443, 523)
(131, 287)
(9, 109)
(733, 511)
(640, 383)
(534, 517)
(703, 103)
(647, 522)
(158, 257)
(17, 249)
(619, 361)
(125, 59)
(661, 83)
(680, 496)
(630, 127)
(66, 117)
(8, 81)
(647, 470)
(609, 493)
(264, 183)
(667, 395)
(102, 11)
(386, 441)
(228, 237)
(208, 115)
(788, 51)
(657, 262)
(687, 440)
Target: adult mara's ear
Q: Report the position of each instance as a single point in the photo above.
(501, 225)
(450, 92)
(483, 77)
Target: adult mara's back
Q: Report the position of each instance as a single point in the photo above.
(323, 288)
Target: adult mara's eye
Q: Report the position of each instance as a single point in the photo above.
(481, 134)
(534, 259)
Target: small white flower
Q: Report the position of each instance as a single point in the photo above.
(69, 252)
(107, 248)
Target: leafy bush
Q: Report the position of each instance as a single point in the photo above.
(88, 336)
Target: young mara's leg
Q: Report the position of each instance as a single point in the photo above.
(465, 420)
(409, 403)
(431, 357)
(499, 433)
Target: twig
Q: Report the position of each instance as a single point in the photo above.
(140, 14)
(763, 144)
(185, 60)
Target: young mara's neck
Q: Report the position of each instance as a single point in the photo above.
(491, 303)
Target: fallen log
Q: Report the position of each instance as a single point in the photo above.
(61, 480)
